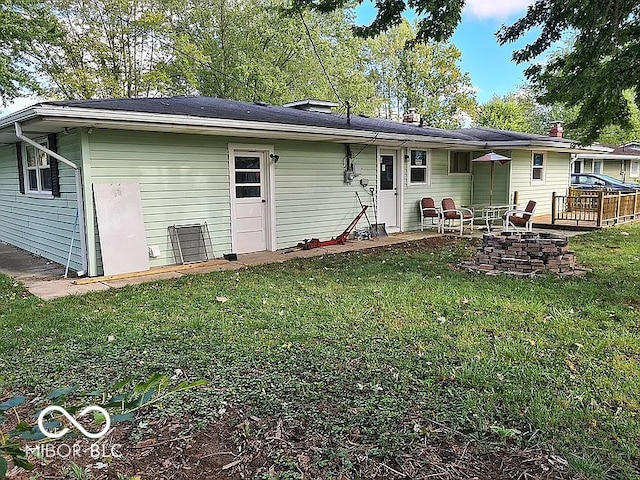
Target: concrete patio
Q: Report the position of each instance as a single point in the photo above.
(44, 278)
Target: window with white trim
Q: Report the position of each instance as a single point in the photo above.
(459, 162)
(419, 167)
(37, 166)
(634, 169)
(537, 167)
(597, 166)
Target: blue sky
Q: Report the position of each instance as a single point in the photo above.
(489, 65)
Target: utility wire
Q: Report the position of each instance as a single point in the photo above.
(315, 50)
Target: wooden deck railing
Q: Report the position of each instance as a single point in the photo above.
(600, 208)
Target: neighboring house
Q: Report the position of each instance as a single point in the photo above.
(621, 162)
(262, 177)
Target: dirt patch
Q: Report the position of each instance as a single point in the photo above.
(243, 446)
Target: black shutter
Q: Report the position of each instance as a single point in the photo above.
(55, 171)
(20, 168)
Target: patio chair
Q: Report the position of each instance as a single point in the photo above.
(429, 211)
(514, 220)
(454, 218)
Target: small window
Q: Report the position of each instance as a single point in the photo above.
(634, 169)
(597, 166)
(459, 162)
(537, 168)
(419, 167)
(38, 169)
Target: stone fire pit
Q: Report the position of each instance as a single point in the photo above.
(524, 254)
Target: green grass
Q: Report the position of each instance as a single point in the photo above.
(379, 342)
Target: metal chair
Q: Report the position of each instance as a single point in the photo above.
(429, 211)
(514, 220)
(451, 214)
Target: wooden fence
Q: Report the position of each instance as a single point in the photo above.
(595, 207)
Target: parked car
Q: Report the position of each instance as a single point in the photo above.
(598, 181)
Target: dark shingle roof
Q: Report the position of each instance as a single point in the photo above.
(208, 107)
(624, 150)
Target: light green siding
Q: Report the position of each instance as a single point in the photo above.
(482, 180)
(556, 179)
(185, 179)
(312, 199)
(613, 168)
(456, 186)
(41, 225)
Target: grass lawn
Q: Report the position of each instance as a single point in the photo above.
(362, 359)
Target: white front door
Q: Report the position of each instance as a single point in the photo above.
(388, 189)
(249, 198)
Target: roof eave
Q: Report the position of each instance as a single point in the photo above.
(127, 120)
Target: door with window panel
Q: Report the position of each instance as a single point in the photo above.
(249, 197)
(388, 190)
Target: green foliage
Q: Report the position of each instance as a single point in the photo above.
(437, 21)
(426, 77)
(22, 22)
(121, 400)
(602, 63)
(520, 112)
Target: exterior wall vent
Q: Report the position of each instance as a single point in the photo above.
(191, 243)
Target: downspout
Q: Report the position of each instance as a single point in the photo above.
(79, 197)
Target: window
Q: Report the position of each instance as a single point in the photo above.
(459, 162)
(634, 169)
(597, 166)
(37, 167)
(247, 171)
(537, 168)
(578, 166)
(419, 167)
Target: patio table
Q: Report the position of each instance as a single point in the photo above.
(491, 213)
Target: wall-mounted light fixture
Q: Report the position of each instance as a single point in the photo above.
(364, 182)
(406, 158)
(274, 158)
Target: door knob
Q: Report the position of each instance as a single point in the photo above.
(264, 201)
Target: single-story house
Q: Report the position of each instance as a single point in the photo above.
(621, 162)
(260, 177)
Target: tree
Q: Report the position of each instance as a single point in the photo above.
(437, 18)
(109, 48)
(520, 112)
(252, 50)
(21, 23)
(602, 64)
(426, 77)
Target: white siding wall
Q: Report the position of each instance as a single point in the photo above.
(557, 171)
(41, 226)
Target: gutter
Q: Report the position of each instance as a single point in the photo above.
(79, 196)
(87, 117)
(605, 156)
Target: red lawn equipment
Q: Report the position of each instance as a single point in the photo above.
(339, 240)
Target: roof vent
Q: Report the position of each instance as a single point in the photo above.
(312, 105)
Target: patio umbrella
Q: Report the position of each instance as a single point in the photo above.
(492, 158)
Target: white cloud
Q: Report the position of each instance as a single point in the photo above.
(495, 9)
